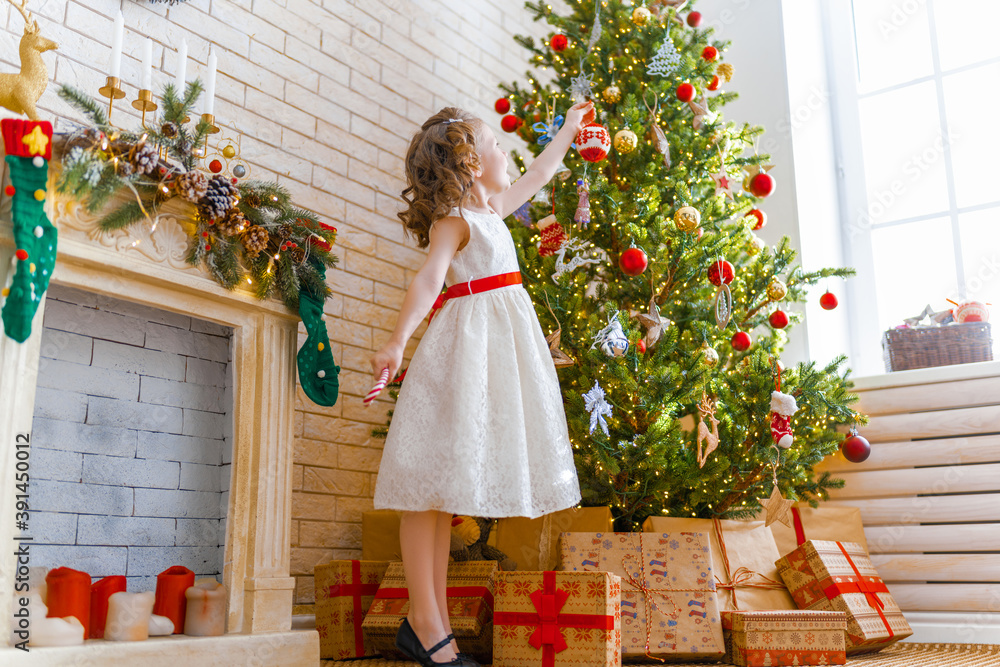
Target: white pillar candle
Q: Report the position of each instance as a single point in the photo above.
(210, 83)
(182, 62)
(115, 65)
(147, 64)
(206, 609)
(128, 616)
(160, 626)
(52, 631)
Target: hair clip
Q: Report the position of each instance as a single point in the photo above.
(451, 120)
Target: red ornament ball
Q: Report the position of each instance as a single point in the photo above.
(510, 123)
(715, 83)
(22, 254)
(641, 345)
(741, 341)
(856, 449)
(502, 105)
(207, 247)
(685, 92)
(828, 301)
(215, 166)
(721, 272)
(593, 142)
(778, 319)
(633, 262)
(204, 234)
(759, 217)
(559, 42)
(762, 184)
(710, 53)
(694, 19)
(9, 190)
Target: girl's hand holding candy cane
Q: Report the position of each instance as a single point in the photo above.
(385, 364)
(383, 380)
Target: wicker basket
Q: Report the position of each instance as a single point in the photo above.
(924, 347)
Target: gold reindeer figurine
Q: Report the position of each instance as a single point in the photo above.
(710, 437)
(19, 92)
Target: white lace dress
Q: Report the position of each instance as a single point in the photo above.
(479, 426)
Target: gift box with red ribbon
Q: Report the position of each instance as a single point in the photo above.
(344, 592)
(470, 609)
(557, 619)
(839, 576)
(764, 638)
(670, 608)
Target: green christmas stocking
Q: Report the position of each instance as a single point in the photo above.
(29, 147)
(317, 371)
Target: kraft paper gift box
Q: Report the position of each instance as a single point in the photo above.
(669, 603)
(839, 576)
(765, 638)
(380, 535)
(557, 619)
(344, 592)
(534, 543)
(743, 551)
(470, 609)
(826, 522)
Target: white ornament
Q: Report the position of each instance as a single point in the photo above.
(321, 374)
(595, 404)
(580, 88)
(666, 61)
(611, 339)
(38, 231)
(563, 266)
(724, 183)
(38, 161)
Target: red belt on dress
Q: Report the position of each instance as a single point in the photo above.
(474, 287)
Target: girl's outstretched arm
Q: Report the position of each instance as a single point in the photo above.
(447, 236)
(544, 166)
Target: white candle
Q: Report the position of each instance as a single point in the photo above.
(206, 609)
(147, 65)
(128, 616)
(116, 46)
(52, 631)
(182, 62)
(210, 83)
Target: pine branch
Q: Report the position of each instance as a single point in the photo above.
(126, 215)
(85, 104)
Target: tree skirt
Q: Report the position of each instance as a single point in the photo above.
(902, 654)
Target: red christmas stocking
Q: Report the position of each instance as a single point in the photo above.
(553, 236)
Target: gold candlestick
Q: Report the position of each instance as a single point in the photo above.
(210, 119)
(144, 103)
(113, 91)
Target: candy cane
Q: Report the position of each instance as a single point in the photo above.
(383, 379)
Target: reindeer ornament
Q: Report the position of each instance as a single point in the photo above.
(19, 92)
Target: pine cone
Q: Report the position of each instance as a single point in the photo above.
(145, 158)
(252, 200)
(191, 186)
(255, 239)
(125, 169)
(218, 199)
(232, 223)
(285, 231)
(298, 254)
(169, 130)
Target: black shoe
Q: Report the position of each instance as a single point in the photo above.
(408, 643)
(464, 656)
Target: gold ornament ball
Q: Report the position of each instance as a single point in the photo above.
(229, 152)
(641, 16)
(776, 290)
(709, 355)
(687, 218)
(755, 245)
(612, 94)
(626, 141)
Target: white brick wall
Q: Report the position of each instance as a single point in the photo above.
(326, 95)
(128, 459)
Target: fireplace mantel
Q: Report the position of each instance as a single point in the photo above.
(257, 550)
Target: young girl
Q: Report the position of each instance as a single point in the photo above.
(479, 427)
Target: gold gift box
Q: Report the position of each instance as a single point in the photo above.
(534, 543)
(765, 638)
(344, 592)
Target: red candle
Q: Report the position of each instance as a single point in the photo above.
(99, 594)
(170, 599)
(68, 594)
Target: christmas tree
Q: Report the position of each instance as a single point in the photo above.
(663, 308)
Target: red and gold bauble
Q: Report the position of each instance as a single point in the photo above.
(828, 301)
(685, 92)
(856, 448)
(593, 142)
(559, 42)
(633, 262)
(761, 185)
(778, 319)
(710, 53)
(502, 105)
(741, 341)
(510, 123)
(721, 272)
(694, 19)
(758, 217)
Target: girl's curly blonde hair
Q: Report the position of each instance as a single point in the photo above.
(440, 167)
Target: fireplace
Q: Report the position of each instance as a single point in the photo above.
(143, 269)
